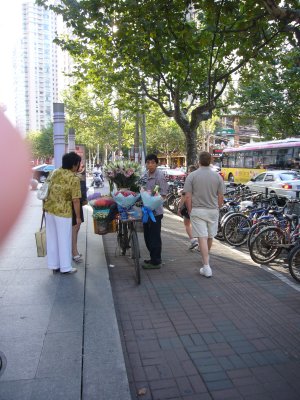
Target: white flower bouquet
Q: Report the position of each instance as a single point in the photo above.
(124, 174)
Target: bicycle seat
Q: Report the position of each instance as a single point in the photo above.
(291, 217)
(275, 212)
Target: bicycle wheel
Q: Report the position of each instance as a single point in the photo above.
(235, 229)
(265, 246)
(123, 239)
(219, 234)
(135, 255)
(256, 229)
(171, 202)
(294, 263)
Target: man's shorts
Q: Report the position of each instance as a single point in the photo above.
(204, 222)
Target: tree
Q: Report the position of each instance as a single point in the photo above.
(163, 135)
(270, 93)
(41, 143)
(91, 117)
(181, 54)
(288, 16)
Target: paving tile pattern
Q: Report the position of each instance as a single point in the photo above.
(234, 336)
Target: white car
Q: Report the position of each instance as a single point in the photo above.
(173, 174)
(281, 182)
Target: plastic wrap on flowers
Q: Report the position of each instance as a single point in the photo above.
(103, 202)
(125, 198)
(101, 214)
(150, 203)
(93, 196)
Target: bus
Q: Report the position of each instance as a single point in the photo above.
(240, 164)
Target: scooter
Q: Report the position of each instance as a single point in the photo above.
(98, 180)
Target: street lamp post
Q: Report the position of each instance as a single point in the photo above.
(58, 133)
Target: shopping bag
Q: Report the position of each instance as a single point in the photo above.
(40, 238)
(43, 191)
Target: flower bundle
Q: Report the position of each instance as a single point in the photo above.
(125, 198)
(124, 174)
(94, 196)
(151, 201)
(101, 207)
(101, 203)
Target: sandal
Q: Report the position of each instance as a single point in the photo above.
(78, 258)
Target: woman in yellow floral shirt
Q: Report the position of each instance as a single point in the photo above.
(64, 190)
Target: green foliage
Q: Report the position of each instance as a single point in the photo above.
(180, 54)
(163, 134)
(41, 143)
(91, 117)
(270, 94)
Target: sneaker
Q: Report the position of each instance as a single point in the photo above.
(194, 243)
(72, 271)
(206, 271)
(147, 261)
(151, 266)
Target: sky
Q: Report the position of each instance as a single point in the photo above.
(10, 29)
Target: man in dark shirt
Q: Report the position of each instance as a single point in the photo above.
(152, 230)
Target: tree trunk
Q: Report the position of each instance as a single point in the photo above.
(191, 147)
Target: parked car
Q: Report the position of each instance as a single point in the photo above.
(281, 182)
(173, 174)
(218, 170)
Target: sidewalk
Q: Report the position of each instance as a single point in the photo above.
(59, 337)
(186, 337)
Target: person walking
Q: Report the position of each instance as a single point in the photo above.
(152, 230)
(204, 195)
(182, 212)
(64, 190)
(97, 172)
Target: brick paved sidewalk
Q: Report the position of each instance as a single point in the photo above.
(234, 336)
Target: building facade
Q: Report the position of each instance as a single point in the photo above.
(40, 68)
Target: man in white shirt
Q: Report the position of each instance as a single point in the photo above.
(97, 170)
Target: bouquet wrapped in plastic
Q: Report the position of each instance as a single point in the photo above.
(101, 210)
(101, 203)
(151, 201)
(125, 199)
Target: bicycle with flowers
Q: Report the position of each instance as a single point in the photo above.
(124, 175)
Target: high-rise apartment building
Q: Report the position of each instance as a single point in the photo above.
(39, 68)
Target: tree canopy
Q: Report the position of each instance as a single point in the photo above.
(180, 54)
(270, 92)
(41, 143)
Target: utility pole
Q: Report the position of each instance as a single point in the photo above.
(119, 132)
(136, 138)
(144, 147)
(71, 140)
(58, 133)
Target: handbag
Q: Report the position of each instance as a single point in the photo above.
(184, 211)
(43, 191)
(40, 238)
